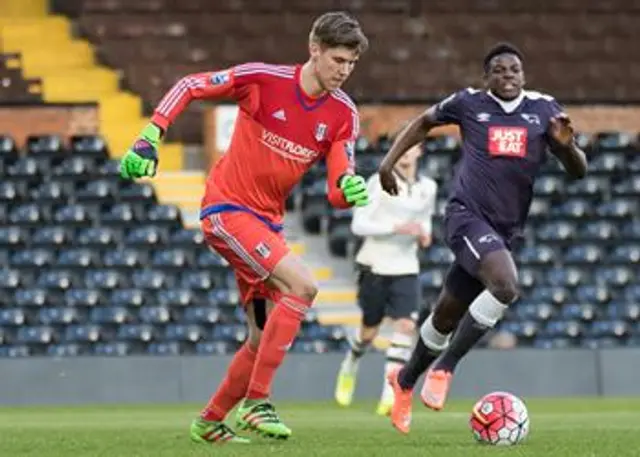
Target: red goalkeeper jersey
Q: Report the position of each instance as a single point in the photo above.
(279, 134)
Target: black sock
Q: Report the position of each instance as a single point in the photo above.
(421, 358)
(469, 332)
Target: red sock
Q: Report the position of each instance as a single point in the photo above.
(279, 332)
(233, 387)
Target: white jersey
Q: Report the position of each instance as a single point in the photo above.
(386, 252)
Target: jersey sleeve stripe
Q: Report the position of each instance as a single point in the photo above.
(248, 66)
(273, 70)
(344, 98)
(170, 100)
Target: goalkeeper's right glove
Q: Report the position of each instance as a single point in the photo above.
(142, 158)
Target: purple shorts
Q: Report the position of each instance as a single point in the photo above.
(470, 238)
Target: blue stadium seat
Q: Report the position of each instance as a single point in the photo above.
(339, 232)
(74, 168)
(45, 146)
(92, 146)
(537, 255)
(229, 332)
(554, 232)
(555, 295)
(185, 332)
(136, 332)
(28, 168)
(120, 215)
(624, 311)
(128, 298)
(548, 186)
(53, 191)
(577, 311)
(124, 258)
(611, 141)
(150, 236)
(594, 294)
(96, 190)
(632, 293)
(59, 315)
(608, 328)
(431, 278)
(36, 334)
(8, 149)
(608, 164)
(109, 169)
(15, 351)
(31, 297)
(106, 279)
(540, 209)
(216, 347)
(175, 258)
(566, 277)
(631, 231)
(590, 187)
(66, 350)
(618, 208)
(51, 236)
(575, 208)
(187, 238)
(614, 276)
(211, 259)
(586, 254)
(526, 329)
(197, 280)
(110, 315)
(13, 192)
(98, 237)
(165, 348)
(314, 205)
(85, 298)
(563, 329)
(598, 231)
(74, 215)
(114, 349)
(529, 310)
(138, 193)
(30, 215)
(154, 314)
(201, 315)
(627, 188)
(165, 215)
(177, 298)
(626, 254)
(151, 279)
(56, 279)
(78, 258)
(529, 277)
(12, 317)
(33, 258)
(13, 236)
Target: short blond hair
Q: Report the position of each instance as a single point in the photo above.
(338, 28)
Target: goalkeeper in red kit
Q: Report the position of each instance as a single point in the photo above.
(290, 117)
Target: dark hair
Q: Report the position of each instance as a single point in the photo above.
(338, 28)
(500, 48)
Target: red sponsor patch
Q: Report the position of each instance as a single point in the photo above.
(507, 141)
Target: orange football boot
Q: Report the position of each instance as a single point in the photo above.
(435, 389)
(401, 409)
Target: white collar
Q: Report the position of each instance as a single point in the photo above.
(511, 105)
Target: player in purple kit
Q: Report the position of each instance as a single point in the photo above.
(506, 133)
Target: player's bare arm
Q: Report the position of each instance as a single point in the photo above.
(411, 135)
(564, 147)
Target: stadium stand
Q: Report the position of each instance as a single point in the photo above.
(14, 87)
(155, 42)
(94, 265)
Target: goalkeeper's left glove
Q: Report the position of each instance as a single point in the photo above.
(142, 158)
(354, 189)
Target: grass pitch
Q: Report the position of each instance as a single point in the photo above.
(559, 428)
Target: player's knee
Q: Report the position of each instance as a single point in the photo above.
(404, 326)
(306, 289)
(504, 290)
(442, 321)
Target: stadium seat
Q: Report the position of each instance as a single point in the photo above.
(110, 315)
(185, 332)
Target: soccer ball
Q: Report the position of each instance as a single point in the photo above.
(500, 419)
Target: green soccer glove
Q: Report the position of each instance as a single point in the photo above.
(142, 158)
(354, 189)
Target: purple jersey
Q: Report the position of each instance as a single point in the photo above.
(503, 146)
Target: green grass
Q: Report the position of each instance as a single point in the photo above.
(559, 428)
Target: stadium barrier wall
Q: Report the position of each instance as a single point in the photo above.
(527, 372)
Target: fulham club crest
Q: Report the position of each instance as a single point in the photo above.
(321, 131)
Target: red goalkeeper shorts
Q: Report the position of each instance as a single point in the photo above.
(251, 247)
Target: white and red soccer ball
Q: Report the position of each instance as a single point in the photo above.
(500, 419)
